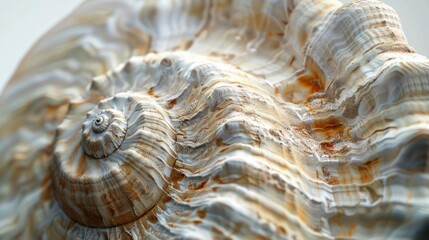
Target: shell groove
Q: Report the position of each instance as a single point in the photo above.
(112, 184)
(218, 119)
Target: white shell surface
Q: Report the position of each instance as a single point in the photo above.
(215, 120)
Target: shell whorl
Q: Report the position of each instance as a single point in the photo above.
(118, 167)
(216, 119)
(103, 132)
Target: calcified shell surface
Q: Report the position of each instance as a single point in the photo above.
(218, 120)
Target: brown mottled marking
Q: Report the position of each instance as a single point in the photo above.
(176, 177)
(346, 135)
(281, 230)
(125, 217)
(333, 181)
(151, 217)
(317, 72)
(217, 230)
(328, 147)
(303, 38)
(310, 82)
(47, 188)
(366, 170)
(329, 179)
(257, 20)
(329, 127)
(201, 213)
(262, 237)
(129, 188)
(81, 165)
(218, 179)
(373, 163)
(351, 230)
(365, 174)
(201, 184)
(150, 91)
(218, 142)
(171, 104)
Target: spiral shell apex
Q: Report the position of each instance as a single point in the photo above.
(217, 119)
(120, 167)
(103, 133)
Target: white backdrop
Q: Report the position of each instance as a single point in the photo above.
(23, 22)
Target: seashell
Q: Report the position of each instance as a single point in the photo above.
(120, 167)
(218, 119)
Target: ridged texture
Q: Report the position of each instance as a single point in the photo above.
(112, 177)
(218, 120)
(103, 132)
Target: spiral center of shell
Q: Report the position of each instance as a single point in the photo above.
(100, 123)
(125, 166)
(103, 132)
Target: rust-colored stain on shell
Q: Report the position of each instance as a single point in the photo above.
(218, 119)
